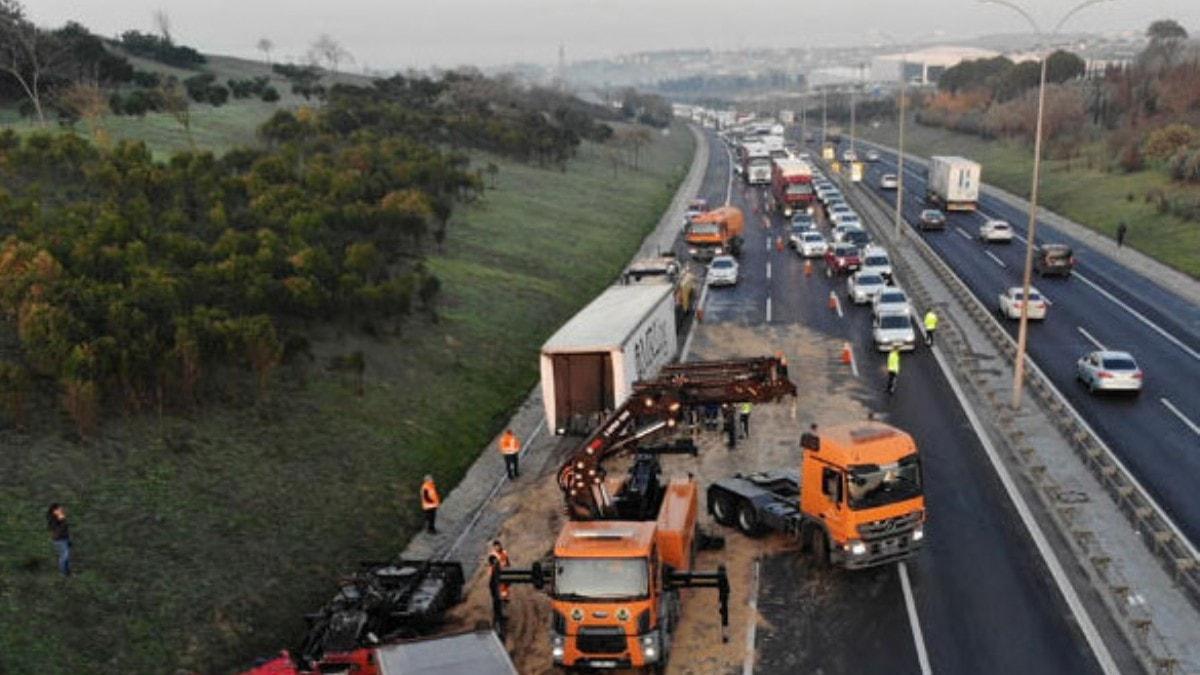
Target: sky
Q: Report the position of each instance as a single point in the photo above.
(399, 34)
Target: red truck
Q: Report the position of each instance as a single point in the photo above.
(791, 185)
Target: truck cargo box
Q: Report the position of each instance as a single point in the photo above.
(589, 366)
(953, 183)
(477, 653)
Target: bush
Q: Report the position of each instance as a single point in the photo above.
(270, 95)
(218, 95)
(1162, 143)
(156, 48)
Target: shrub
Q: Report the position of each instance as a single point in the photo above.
(270, 95)
(1162, 143)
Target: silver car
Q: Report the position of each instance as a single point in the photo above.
(1109, 371)
(861, 287)
(890, 301)
(893, 329)
(889, 181)
(723, 271)
(876, 259)
(811, 245)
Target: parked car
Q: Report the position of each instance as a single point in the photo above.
(861, 287)
(856, 235)
(876, 260)
(841, 258)
(933, 219)
(723, 271)
(1010, 304)
(1053, 259)
(872, 156)
(889, 181)
(894, 329)
(891, 300)
(812, 245)
(1110, 371)
(996, 230)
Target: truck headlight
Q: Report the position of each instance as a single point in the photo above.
(858, 548)
(650, 647)
(556, 646)
(918, 534)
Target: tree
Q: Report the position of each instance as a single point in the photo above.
(1062, 66)
(1166, 39)
(1166, 29)
(266, 46)
(175, 103)
(162, 21)
(328, 50)
(27, 53)
(86, 101)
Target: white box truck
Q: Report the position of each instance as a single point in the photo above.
(953, 183)
(589, 366)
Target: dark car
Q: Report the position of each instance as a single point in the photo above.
(841, 258)
(1052, 259)
(859, 238)
(932, 219)
(803, 220)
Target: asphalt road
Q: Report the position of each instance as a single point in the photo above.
(983, 598)
(1104, 304)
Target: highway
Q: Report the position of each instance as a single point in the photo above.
(979, 597)
(1104, 304)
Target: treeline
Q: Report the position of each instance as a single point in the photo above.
(160, 48)
(707, 86)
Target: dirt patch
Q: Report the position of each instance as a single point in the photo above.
(827, 396)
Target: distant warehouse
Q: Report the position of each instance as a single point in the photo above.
(924, 66)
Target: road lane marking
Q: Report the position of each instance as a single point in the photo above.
(853, 361)
(994, 258)
(768, 244)
(1091, 339)
(729, 187)
(837, 303)
(963, 233)
(1171, 406)
(768, 269)
(914, 620)
(1082, 619)
(768, 309)
(751, 622)
(1140, 317)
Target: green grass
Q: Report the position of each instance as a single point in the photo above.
(1079, 189)
(201, 540)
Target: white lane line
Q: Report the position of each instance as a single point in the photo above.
(963, 233)
(853, 362)
(768, 269)
(751, 623)
(1091, 339)
(998, 261)
(768, 244)
(768, 310)
(914, 620)
(729, 187)
(837, 303)
(1140, 317)
(1181, 416)
(1084, 621)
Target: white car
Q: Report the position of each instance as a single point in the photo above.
(996, 230)
(1011, 300)
(873, 156)
(888, 181)
(839, 231)
(890, 301)
(1109, 371)
(861, 287)
(876, 260)
(811, 245)
(893, 329)
(723, 271)
(850, 156)
(840, 214)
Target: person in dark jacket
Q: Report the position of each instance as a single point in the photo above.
(1122, 230)
(60, 536)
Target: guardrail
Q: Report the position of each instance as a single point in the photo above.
(1161, 536)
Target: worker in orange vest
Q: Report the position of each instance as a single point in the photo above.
(498, 560)
(429, 503)
(510, 447)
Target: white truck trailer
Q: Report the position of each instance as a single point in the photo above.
(953, 183)
(589, 366)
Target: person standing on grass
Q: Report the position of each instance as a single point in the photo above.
(60, 536)
(429, 503)
(510, 447)
(1122, 230)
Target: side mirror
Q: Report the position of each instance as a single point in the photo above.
(810, 441)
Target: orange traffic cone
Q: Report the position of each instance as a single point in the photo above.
(699, 315)
(779, 243)
(846, 357)
(832, 300)
(808, 268)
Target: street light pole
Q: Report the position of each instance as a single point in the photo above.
(899, 215)
(824, 115)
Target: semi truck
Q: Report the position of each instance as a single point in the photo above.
(856, 501)
(756, 164)
(715, 232)
(589, 366)
(791, 186)
(953, 183)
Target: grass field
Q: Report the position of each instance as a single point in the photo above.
(200, 541)
(1077, 189)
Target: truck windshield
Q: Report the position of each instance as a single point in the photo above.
(601, 578)
(872, 485)
(707, 229)
(760, 163)
(799, 188)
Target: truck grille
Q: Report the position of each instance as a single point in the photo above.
(889, 527)
(601, 640)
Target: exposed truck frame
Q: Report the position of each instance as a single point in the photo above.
(817, 505)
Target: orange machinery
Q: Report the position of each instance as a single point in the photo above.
(716, 232)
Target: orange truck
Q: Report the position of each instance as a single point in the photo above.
(715, 232)
(856, 502)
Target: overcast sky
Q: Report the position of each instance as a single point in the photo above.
(390, 34)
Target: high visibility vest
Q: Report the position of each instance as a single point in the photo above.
(893, 363)
(930, 320)
(509, 445)
(498, 560)
(429, 496)
(746, 408)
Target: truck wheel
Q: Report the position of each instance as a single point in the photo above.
(722, 509)
(818, 545)
(747, 520)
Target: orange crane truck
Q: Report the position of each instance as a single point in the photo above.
(856, 501)
(619, 563)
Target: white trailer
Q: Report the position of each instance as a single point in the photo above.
(589, 366)
(953, 183)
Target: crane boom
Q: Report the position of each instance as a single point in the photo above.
(657, 405)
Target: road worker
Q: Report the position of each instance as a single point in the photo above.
(931, 322)
(744, 417)
(498, 560)
(783, 364)
(510, 447)
(893, 368)
(429, 503)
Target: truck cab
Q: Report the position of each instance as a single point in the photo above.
(716, 232)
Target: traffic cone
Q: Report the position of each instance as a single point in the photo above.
(699, 315)
(832, 300)
(779, 243)
(807, 267)
(846, 357)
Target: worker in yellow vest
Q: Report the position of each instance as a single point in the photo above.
(893, 368)
(744, 417)
(430, 501)
(510, 447)
(931, 322)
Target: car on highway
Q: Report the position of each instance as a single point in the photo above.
(796, 234)
(811, 245)
(723, 271)
(804, 220)
(1053, 259)
(872, 156)
(841, 258)
(1106, 370)
(996, 230)
(890, 300)
(838, 213)
(856, 235)
(850, 156)
(838, 232)
(830, 195)
(1011, 300)
(932, 219)
(888, 181)
(861, 287)
(893, 329)
(875, 259)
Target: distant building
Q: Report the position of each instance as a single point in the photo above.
(923, 66)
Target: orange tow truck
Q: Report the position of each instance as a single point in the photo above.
(716, 232)
(619, 564)
(856, 502)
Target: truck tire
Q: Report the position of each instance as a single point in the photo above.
(723, 509)
(818, 546)
(747, 520)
